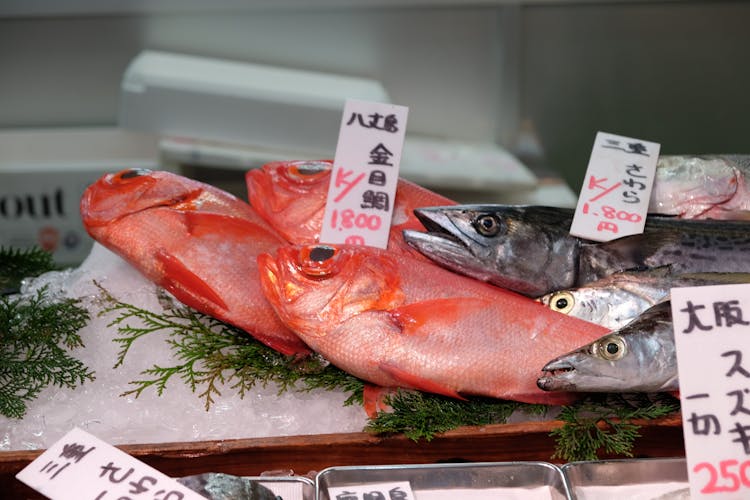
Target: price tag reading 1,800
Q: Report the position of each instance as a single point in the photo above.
(616, 190)
(363, 184)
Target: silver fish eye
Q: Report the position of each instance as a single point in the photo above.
(487, 225)
(611, 347)
(562, 302)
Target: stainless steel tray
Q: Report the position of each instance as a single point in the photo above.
(473, 479)
(632, 479)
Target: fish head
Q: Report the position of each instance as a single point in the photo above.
(639, 357)
(313, 288)
(600, 366)
(291, 197)
(521, 248)
(689, 186)
(606, 306)
(134, 190)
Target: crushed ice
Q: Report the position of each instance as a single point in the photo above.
(177, 415)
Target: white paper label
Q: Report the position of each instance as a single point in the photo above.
(81, 466)
(393, 491)
(365, 174)
(616, 190)
(712, 336)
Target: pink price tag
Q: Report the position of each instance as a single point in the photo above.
(616, 190)
(712, 337)
(363, 184)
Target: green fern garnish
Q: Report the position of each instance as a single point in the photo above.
(604, 423)
(18, 264)
(420, 415)
(35, 337)
(209, 354)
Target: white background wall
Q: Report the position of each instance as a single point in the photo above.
(671, 72)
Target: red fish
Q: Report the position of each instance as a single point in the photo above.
(399, 322)
(291, 197)
(198, 242)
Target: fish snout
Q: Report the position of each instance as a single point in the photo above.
(558, 373)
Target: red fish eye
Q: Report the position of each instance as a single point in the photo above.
(317, 260)
(308, 171)
(131, 173)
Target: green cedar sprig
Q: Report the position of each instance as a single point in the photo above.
(210, 354)
(35, 337)
(420, 415)
(604, 423)
(18, 264)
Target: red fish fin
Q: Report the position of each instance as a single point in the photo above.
(374, 399)
(417, 382)
(412, 317)
(202, 223)
(178, 278)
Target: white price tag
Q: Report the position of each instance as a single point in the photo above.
(82, 466)
(616, 190)
(400, 490)
(712, 336)
(365, 174)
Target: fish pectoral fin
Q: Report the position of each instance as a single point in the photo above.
(409, 379)
(202, 223)
(180, 280)
(412, 317)
(374, 399)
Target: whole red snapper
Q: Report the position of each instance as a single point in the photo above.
(198, 242)
(291, 197)
(399, 322)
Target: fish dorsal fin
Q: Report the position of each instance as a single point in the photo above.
(185, 284)
(413, 317)
(408, 379)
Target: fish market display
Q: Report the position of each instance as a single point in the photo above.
(528, 249)
(617, 299)
(639, 357)
(705, 187)
(198, 242)
(291, 197)
(396, 321)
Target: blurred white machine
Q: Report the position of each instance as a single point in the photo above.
(226, 114)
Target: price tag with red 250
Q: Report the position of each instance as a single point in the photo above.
(712, 338)
(365, 174)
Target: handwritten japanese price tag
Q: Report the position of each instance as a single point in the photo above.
(712, 336)
(614, 198)
(365, 174)
(82, 466)
(400, 490)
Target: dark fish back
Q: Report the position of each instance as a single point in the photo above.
(688, 246)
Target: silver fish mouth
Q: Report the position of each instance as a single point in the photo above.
(556, 375)
(440, 231)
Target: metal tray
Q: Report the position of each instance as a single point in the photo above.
(483, 477)
(633, 479)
